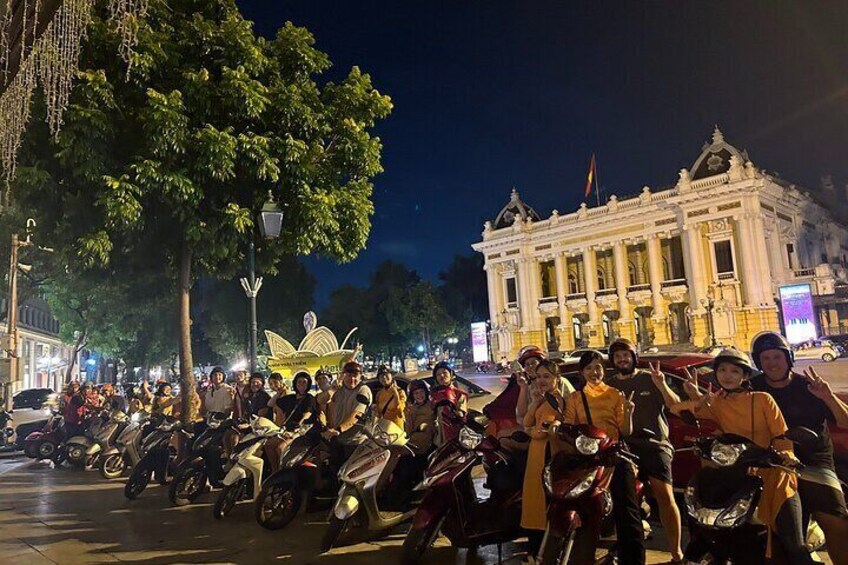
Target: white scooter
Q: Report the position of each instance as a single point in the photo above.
(126, 451)
(245, 475)
(77, 446)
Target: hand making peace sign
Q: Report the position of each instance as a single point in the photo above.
(656, 375)
(819, 387)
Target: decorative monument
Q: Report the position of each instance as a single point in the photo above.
(319, 349)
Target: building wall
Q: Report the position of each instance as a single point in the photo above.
(775, 233)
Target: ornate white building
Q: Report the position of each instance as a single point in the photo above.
(674, 266)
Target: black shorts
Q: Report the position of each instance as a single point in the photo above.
(818, 497)
(653, 462)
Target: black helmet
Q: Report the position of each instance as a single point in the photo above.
(623, 344)
(302, 375)
(771, 340)
(736, 357)
(218, 370)
(419, 384)
(444, 365)
(259, 376)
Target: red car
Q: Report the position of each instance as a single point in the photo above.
(681, 434)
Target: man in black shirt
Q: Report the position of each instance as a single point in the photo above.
(651, 395)
(807, 400)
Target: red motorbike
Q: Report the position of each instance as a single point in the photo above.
(450, 503)
(49, 442)
(445, 401)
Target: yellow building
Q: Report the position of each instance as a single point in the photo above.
(681, 265)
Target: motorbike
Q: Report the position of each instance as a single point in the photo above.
(366, 476)
(721, 500)
(47, 443)
(248, 461)
(125, 452)
(205, 463)
(304, 474)
(84, 450)
(450, 503)
(158, 457)
(7, 432)
(105, 438)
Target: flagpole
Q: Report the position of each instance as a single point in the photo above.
(597, 190)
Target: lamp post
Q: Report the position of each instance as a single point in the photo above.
(709, 304)
(270, 225)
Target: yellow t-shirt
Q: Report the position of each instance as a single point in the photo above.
(606, 404)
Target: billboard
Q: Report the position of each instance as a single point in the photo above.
(799, 317)
(479, 342)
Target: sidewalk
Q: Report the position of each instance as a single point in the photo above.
(73, 517)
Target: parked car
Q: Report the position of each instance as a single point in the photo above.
(33, 398)
(574, 356)
(819, 349)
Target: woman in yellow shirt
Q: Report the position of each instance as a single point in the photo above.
(391, 400)
(754, 415)
(609, 410)
(539, 418)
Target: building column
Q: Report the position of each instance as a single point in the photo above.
(766, 292)
(590, 278)
(696, 270)
(625, 316)
(640, 274)
(524, 282)
(492, 282)
(566, 338)
(655, 277)
(747, 248)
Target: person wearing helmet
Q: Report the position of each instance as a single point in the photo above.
(391, 400)
(420, 422)
(652, 396)
(755, 415)
(529, 358)
(255, 400)
(218, 397)
(290, 412)
(453, 400)
(348, 405)
(327, 387)
(807, 400)
(164, 400)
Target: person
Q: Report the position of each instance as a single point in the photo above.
(539, 416)
(254, 402)
(290, 412)
(240, 390)
(218, 397)
(652, 396)
(607, 408)
(529, 358)
(163, 401)
(74, 409)
(419, 422)
(110, 395)
(754, 415)
(391, 400)
(278, 390)
(807, 400)
(348, 405)
(91, 396)
(448, 418)
(327, 386)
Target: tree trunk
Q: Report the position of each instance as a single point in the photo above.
(77, 348)
(184, 327)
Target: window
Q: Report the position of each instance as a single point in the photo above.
(631, 270)
(548, 273)
(602, 281)
(511, 292)
(577, 328)
(824, 257)
(573, 287)
(723, 257)
(790, 254)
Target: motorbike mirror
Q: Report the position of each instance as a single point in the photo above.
(362, 399)
(520, 436)
(552, 400)
(689, 418)
(801, 435)
(421, 427)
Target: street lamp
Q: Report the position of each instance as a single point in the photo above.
(270, 226)
(709, 304)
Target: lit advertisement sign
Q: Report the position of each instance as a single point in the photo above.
(798, 315)
(479, 342)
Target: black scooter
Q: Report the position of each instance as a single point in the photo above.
(158, 458)
(204, 464)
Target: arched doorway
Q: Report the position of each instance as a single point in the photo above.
(551, 337)
(678, 323)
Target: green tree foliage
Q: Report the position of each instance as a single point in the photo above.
(464, 290)
(417, 313)
(168, 164)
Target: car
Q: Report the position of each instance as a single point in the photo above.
(818, 349)
(477, 395)
(33, 398)
(574, 356)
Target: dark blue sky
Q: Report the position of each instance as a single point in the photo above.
(494, 94)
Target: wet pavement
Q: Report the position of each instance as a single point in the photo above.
(69, 516)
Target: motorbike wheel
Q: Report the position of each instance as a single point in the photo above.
(187, 485)
(31, 451)
(335, 529)
(138, 481)
(112, 466)
(230, 494)
(277, 505)
(46, 450)
(418, 541)
(553, 553)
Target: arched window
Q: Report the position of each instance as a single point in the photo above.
(631, 270)
(602, 280)
(666, 270)
(573, 287)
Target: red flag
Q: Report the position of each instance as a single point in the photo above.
(590, 177)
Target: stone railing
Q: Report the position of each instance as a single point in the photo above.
(672, 283)
(606, 292)
(710, 182)
(638, 287)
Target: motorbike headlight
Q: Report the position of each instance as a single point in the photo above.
(469, 439)
(587, 445)
(735, 514)
(581, 487)
(725, 455)
(46, 411)
(135, 418)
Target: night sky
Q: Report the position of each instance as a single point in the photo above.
(494, 94)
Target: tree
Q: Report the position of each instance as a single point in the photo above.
(416, 312)
(168, 162)
(464, 289)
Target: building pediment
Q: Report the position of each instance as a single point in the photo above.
(715, 157)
